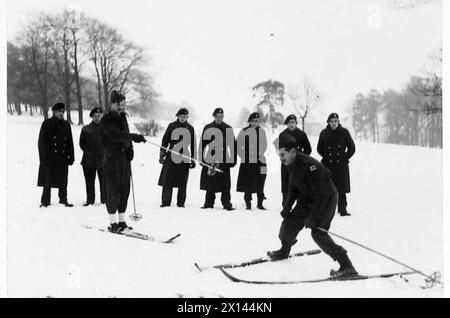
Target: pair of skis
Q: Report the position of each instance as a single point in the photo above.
(130, 233)
(261, 260)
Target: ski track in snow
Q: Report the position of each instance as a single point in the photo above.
(396, 202)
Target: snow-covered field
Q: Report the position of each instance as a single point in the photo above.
(396, 202)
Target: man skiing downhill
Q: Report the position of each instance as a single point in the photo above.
(310, 184)
(119, 152)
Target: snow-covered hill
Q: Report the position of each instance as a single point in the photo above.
(396, 202)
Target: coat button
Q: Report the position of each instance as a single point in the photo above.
(338, 161)
(329, 147)
(55, 143)
(339, 146)
(329, 154)
(331, 161)
(56, 150)
(54, 137)
(338, 153)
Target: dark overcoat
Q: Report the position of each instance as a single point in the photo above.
(116, 139)
(56, 152)
(336, 148)
(175, 169)
(220, 182)
(303, 145)
(253, 168)
(92, 146)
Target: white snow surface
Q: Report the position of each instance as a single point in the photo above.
(396, 206)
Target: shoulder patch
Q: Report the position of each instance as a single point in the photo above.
(312, 168)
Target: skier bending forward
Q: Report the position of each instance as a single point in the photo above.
(310, 183)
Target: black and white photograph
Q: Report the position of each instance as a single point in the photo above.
(223, 149)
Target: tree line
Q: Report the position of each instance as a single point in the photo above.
(411, 116)
(270, 97)
(71, 57)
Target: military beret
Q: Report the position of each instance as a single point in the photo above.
(59, 106)
(217, 111)
(332, 116)
(290, 117)
(252, 116)
(116, 97)
(96, 110)
(182, 111)
(286, 141)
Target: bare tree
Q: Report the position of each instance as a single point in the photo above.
(62, 47)
(304, 97)
(76, 26)
(37, 39)
(113, 58)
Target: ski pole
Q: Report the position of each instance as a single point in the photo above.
(186, 157)
(135, 216)
(430, 278)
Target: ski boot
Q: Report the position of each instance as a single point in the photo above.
(88, 204)
(122, 226)
(248, 205)
(346, 268)
(44, 205)
(282, 253)
(113, 228)
(164, 205)
(204, 207)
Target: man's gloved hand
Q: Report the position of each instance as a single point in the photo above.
(192, 165)
(310, 223)
(138, 138)
(161, 160)
(285, 213)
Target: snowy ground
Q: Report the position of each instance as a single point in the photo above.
(396, 202)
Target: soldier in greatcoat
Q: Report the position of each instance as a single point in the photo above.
(56, 154)
(220, 153)
(175, 169)
(251, 148)
(93, 155)
(336, 147)
(302, 145)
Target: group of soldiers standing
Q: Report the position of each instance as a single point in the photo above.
(314, 187)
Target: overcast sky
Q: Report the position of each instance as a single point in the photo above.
(210, 53)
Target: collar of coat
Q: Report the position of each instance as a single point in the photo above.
(180, 124)
(338, 130)
(55, 120)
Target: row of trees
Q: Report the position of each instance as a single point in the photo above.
(71, 57)
(412, 116)
(270, 97)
